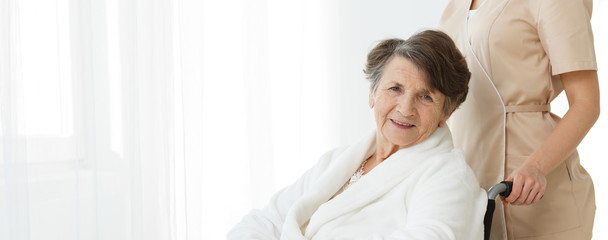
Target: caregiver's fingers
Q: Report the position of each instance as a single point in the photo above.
(518, 187)
(526, 189)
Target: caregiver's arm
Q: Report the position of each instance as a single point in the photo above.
(582, 91)
(447, 203)
(267, 224)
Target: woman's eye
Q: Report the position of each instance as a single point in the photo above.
(427, 97)
(396, 89)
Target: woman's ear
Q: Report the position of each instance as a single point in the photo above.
(444, 119)
(372, 101)
(446, 116)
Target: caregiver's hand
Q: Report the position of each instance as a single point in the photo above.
(529, 185)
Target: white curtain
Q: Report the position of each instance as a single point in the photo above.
(139, 119)
(88, 113)
(171, 119)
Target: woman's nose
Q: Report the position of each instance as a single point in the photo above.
(406, 105)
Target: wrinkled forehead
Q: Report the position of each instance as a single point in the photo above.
(401, 70)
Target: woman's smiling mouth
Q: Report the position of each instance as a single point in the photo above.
(402, 125)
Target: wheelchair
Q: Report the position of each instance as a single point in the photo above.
(503, 189)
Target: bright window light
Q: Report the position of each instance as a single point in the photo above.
(45, 53)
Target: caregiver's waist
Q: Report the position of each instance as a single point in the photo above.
(528, 108)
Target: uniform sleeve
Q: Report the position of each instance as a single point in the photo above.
(564, 28)
(266, 224)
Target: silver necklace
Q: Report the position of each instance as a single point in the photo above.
(358, 174)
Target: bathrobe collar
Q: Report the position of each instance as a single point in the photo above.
(313, 210)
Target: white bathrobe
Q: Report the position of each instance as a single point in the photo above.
(426, 191)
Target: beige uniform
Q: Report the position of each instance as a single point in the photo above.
(523, 45)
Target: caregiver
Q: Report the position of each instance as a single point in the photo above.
(405, 180)
(522, 54)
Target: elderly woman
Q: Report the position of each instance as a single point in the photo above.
(405, 180)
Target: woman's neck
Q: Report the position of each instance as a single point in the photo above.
(384, 149)
(381, 154)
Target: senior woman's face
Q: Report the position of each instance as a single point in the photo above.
(407, 109)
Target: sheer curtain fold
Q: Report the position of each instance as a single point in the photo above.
(148, 133)
(188, 36)
(14, 210)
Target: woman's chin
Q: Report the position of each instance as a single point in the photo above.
(400, 141)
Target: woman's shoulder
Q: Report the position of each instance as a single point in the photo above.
(332, 154)
(452, 163)
(357, 149)
(450, 170)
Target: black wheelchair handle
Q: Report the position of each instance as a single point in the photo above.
(503, 189)
(507, 191)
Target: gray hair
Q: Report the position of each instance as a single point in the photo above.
(435, 54)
